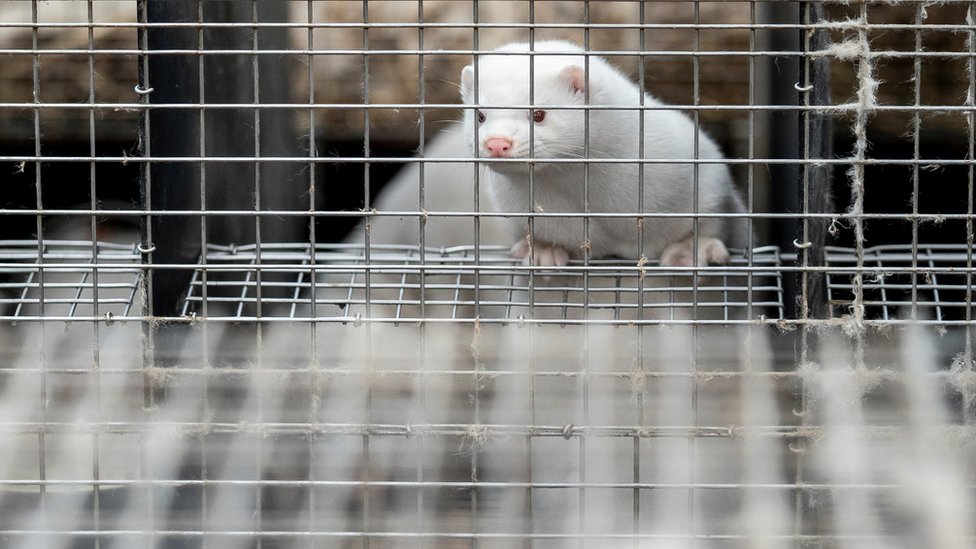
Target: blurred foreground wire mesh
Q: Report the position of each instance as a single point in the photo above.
(445, 435)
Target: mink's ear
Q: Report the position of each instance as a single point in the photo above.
(467, 80)
(575, 78)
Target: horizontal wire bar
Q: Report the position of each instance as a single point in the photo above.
(411, 52)
(359, 319)
(923, 162)
(840, 216)
(160, 532)
(463, 430)
(454, 485)
(325, 372)
(830, 109)
(824, 25)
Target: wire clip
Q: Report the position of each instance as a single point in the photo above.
(799, 88)
(797, 447)
(143, 91)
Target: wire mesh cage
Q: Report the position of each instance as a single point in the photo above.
(455, 274)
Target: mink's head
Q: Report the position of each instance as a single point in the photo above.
(518, 121)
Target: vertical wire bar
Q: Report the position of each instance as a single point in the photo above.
(531, 212)
(477, 169)
(39, 227)
(315, 400)
(259, 363)
(828, 284)
(934, 283)
(369, 326)
(422, 219)
(696, 60)
(804, 254)
(93, 203)
(509, 279)
(695, 166)
(295, 298)
(312, 199)
(202, 148)
(24, 295)
(79, 292)
(149, 396)
(672, 296)
(586, 155)
(617, 301)
(366, 164)
(401, 297)
(256, 97)
(531, 236)
(350, 294)
(916, 138)
(564, 298)
(585, 378)
(969, 397)
(640, 395)
(92, 183)
(751, 168)
(205, 334)
(38, 194)
(245, 285)
(804, 310)
(727, 298)
(422, 378)
(861, 124)
(880, 281)
(458, 281)
(204, 273)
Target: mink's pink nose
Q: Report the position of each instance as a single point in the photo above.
(498, 147)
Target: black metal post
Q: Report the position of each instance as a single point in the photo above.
(817, 144)
(247, 79)
(784, 143)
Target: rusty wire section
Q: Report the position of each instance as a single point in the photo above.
(414, 386)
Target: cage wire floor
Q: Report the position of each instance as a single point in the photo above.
(403, 283)
(68, 280)
(74, 280)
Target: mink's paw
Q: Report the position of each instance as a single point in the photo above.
(544, 254)
(710, 251)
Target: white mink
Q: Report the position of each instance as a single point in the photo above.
(561, 80)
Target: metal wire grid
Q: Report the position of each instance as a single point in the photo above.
(371, 433)
(927, 282)
(444, 277)
(101, 286)
(69, 280)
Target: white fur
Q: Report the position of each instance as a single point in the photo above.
(448, 187)
(503, 81)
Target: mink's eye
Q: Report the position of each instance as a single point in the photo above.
(539, 116)
(481, 117)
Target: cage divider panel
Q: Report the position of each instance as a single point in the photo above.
(226, 132)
